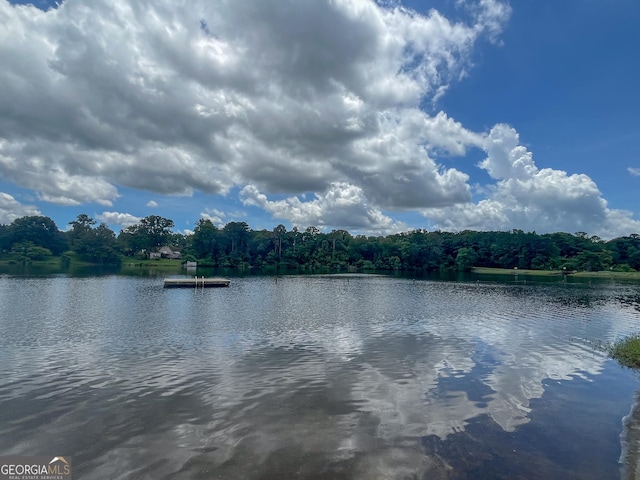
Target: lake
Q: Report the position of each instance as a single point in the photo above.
(318, 377)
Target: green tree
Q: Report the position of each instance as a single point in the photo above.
(131, 241)
(206, 239)
(95, 244)
(465, 259)
(81, 236)
(151, 233)
(27, 250)
(593, 261)
(279, 234)
(104, 247)
(625, 250)
(40, 231)
(237, 234)
(4, 238)
(157, 230)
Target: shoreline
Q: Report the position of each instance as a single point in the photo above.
(556, 273)
(130, 262)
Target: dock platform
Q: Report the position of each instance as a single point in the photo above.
(196, 282)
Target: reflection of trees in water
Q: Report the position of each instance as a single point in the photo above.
(574, 295)
(630, 300)
(581, 301)
(578, 298)
(591, 297)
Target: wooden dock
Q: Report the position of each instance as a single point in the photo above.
(196, 282)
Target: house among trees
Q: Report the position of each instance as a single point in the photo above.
(166, 252)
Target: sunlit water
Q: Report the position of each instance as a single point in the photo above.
(358, 377)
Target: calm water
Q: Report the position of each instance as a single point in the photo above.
(318, 377)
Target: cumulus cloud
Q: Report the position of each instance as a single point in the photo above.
(152, 204)
(118, 219)
(341, 206)
(289, 97)
(26, 165)
(214, 215)
(278, 98)
(10, 209)
(529, 198)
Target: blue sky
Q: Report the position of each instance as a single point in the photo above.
(376, 117)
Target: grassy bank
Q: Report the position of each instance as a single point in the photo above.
(72, 259)
(8, 260)
(557, 273)
(511, 271)
(626, 351)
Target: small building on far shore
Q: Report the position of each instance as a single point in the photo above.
(166, 252)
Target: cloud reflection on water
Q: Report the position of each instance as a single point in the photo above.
(343, 378)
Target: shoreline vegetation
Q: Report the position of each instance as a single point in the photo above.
(36, 240)
(626, 351)
(556, 273)
(177, 266)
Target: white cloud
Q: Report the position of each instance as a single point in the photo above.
(26, 165)
(278, 98)
(215, 216)
(395, 168)
(634, 171)
(117, 218)
(290, 97)
(505, 157)
(152, 204)
(528, 198)
(341, 206)
(10, 209)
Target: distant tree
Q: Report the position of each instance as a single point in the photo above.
(40, 231)
(80, 235)
(634, 259)
(279, 234)
(465, 259)
(27, 250)
(130, 241)
(4, 238)
(626, 250)
(206, 239)
(105, 249)
(157, 229)
(593, 261)
(152, 232)
(82, 222)
(95, 244)
(177, 241)
(312, 231)
(237, 234)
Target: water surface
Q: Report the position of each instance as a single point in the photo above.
(331, 376)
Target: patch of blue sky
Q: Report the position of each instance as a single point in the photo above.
(43, 5)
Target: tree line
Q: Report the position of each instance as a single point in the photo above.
(237, 245)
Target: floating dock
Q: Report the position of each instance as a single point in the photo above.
(196, 282)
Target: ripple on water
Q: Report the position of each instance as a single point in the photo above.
(370, 377)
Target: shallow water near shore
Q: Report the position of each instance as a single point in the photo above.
(326, 376)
